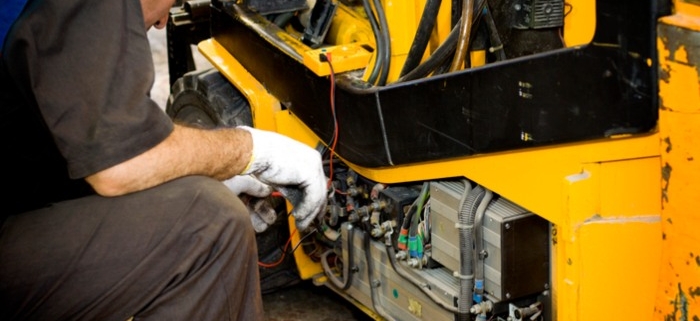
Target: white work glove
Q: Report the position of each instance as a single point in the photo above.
(254, 195)
(292, 168)
(246, 184)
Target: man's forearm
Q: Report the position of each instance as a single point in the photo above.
(219, 154)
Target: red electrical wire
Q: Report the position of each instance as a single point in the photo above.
(335, 119)
(284, 253)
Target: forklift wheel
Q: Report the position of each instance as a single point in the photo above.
(206, 99)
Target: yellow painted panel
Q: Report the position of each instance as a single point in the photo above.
(619, 268)
(580, 22)
(630, 188)
(606, 208)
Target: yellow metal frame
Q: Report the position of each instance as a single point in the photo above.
(617, 253)
(679, 119)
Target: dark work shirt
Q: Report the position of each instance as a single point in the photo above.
(75, 77)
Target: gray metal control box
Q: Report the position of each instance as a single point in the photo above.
(515, 240)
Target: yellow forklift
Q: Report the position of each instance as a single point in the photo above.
(487, 159)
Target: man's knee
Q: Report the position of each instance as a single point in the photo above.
(208, 201)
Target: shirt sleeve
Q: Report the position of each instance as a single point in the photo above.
(90, 70)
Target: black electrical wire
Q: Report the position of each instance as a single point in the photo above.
(409, 214)
(420, 41)
(416, 217)
(456, 12)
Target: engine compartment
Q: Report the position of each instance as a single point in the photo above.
(437, 250)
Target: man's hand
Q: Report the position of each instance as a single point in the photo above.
(292, 168)
(254, 195)
(262, 212)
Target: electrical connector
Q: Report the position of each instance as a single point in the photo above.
(324, 57)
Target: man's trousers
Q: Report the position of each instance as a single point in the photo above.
(184, 250)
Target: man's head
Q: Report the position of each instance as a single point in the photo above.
(155, 12)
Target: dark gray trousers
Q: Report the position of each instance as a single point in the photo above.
(184, 250)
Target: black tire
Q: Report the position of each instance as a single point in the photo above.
(206, 99)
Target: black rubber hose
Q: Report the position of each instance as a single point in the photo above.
(420, 41)
(370, 278)
(386, 43)
(378, 39)
(456, 12)
(444, 67)
(444, 51)
(494, 37)
(345, 283)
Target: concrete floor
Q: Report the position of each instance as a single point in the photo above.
(303, 301)
(306, 301)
